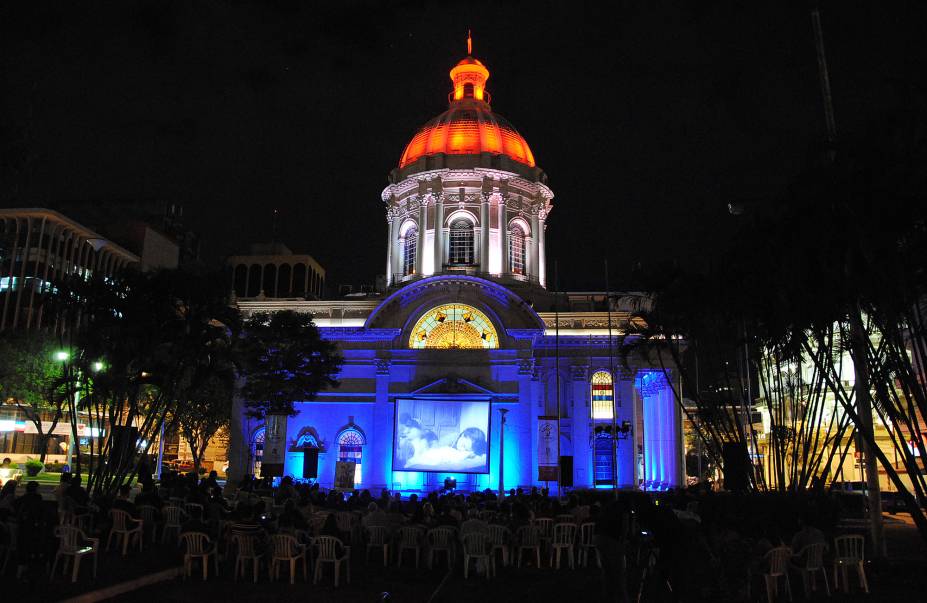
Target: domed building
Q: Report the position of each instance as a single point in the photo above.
(468, 370)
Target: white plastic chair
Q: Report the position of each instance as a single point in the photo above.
(286, 549)
(587, 545)
(529, 540)
(564, 540)
(545, 527)
(812, 558)
(499, 537)
(198, 546)
(378, 538)
(73, 544)
(124, 529)
(410, 538)
(150, 516)
(441, 540)
(328, 553)
(778, 561)
(476, 548)
(173, 521)
(246, 549)
(849, 551)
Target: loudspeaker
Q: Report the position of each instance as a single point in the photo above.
(736, 466)
(566, 471)
(310, 462)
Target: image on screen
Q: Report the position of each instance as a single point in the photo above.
(442, 435)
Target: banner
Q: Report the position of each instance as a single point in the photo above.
(344, 475)
(274, 446)
(547, 449)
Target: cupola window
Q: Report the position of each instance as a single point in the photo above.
(461, 243)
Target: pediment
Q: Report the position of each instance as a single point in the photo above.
(453, 385)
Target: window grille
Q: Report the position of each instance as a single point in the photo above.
(409, 251)
(461, 243)
(517, 249)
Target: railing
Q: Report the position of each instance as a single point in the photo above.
(401, 278)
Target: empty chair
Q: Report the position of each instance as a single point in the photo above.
(499, 537)
(286, 549)
(810, 562)
(529, 540)
(124, 529)
(849, 553)
(378, 538)
(441, 540)
(587, 545)
(246, 549)
(778, 562)
(563, 539)
(198, 546)
(173, 521)
(410, 539)
(476, 548)
(328, 552)
(73, 545)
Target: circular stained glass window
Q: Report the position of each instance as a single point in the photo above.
(454, 326)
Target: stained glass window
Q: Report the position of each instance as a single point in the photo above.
(602, 395)
(409, 250)
(454, 326)
(461, 243)
(517, 249)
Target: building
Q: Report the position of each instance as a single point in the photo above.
(272, 271)
(40, 248)
(468, 367)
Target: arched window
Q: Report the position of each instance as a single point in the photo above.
(602, 396)
(461, 244)
(517, 249)
(350, 448)
(409, 249)
(257, 451)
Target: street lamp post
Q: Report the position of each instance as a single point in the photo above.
(502, 412)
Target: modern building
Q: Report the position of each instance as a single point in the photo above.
(469, 367)
(40, 248)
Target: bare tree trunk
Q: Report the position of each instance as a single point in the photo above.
(860, 347)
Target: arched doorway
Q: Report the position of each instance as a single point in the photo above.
(351, 448)
(257, 450)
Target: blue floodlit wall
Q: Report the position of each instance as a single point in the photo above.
(662, 456)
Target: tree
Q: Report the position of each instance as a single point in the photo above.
(208, 409)
(156, 335)
(34, 379)
(285, 361)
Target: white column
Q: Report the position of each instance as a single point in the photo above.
(439, 234)
(542, 256)
(533, 273)
(420, 249)
(389, 253)
(484, 235)
(504, 237)
(395, 245)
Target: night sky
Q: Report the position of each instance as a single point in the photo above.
(647, 120)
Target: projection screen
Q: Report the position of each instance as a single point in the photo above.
(445, 434)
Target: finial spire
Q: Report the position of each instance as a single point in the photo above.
(469, 44)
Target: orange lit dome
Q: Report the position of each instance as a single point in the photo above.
(469, 126)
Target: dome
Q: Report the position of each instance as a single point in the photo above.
(469, 126)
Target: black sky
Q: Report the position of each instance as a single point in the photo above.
(648, 117)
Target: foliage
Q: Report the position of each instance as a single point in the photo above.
(33, 380)
(33, 467)
(155, 334)
(286, 361)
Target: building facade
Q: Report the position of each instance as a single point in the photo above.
(468, 367)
